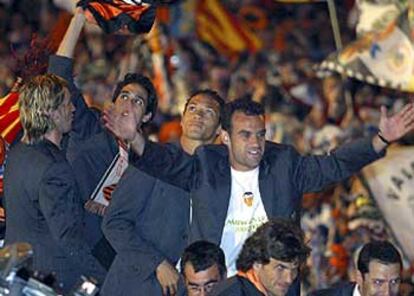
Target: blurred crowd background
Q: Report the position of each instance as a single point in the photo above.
(312, 113)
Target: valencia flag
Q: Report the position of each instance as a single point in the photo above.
(223, 30)
(114, 15)
(9, 117)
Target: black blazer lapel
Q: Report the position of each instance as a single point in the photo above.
(221, 203)
(267, 190)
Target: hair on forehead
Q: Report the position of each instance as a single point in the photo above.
(143, 81)
(245, 105)
(209, 93)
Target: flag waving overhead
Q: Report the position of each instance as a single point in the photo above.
(10, 124)
(116, 15)
(391, 181)
(383, 53)
(223, 30)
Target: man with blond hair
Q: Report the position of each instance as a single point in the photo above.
(41, 198)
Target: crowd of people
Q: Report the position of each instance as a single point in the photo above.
(142, 237)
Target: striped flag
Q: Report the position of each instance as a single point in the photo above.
(224, 31)
(10, 124)
(2, 161)
(114, 15)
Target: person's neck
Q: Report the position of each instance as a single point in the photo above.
(54, 136)
(190, 145)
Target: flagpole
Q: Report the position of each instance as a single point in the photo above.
(335, 25)
(338, 44)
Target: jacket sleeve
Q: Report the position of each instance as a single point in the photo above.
(314, 173)
(86, 121)
(168, 163)
(120, 223)
(62, 210)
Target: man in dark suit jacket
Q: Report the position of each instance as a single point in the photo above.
(90, 148)
(344, 289)
(147, 220)
(41, 198)
(282, 175)
(379, 267)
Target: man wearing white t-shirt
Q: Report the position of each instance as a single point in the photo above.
(226, 213)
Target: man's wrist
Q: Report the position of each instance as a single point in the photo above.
(382, 138)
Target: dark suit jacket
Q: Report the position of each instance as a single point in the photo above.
(83, 151)
(92, 159)
(284, 177)
(236, 286)
(43, 208)
(146, 222)
(346, 289)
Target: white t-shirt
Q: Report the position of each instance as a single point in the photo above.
(356, 291)
(245, 213)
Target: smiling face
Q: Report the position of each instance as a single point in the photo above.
(276, 276)
(201, 118)
(133, 97)
(381, 280)
(245, 140)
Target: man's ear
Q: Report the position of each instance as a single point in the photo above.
(225, 137)
(257, 266)
(146, 117)
(52, 115)
(218, 130)
(359, 278)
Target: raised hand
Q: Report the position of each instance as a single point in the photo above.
(398, 125)
(122, 123)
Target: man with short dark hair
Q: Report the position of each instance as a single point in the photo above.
(269, 261)
(379, 267)
(203, 266)
(90, 149)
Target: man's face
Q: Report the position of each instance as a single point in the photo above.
(381, 280)
(63, 115)
(276, 276)
(133, 97)
(201, 282)
(245, 141)
(200, 120)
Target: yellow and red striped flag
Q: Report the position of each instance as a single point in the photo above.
(9, 117)
(223, 30)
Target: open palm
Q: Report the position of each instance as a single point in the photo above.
(398, 125)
